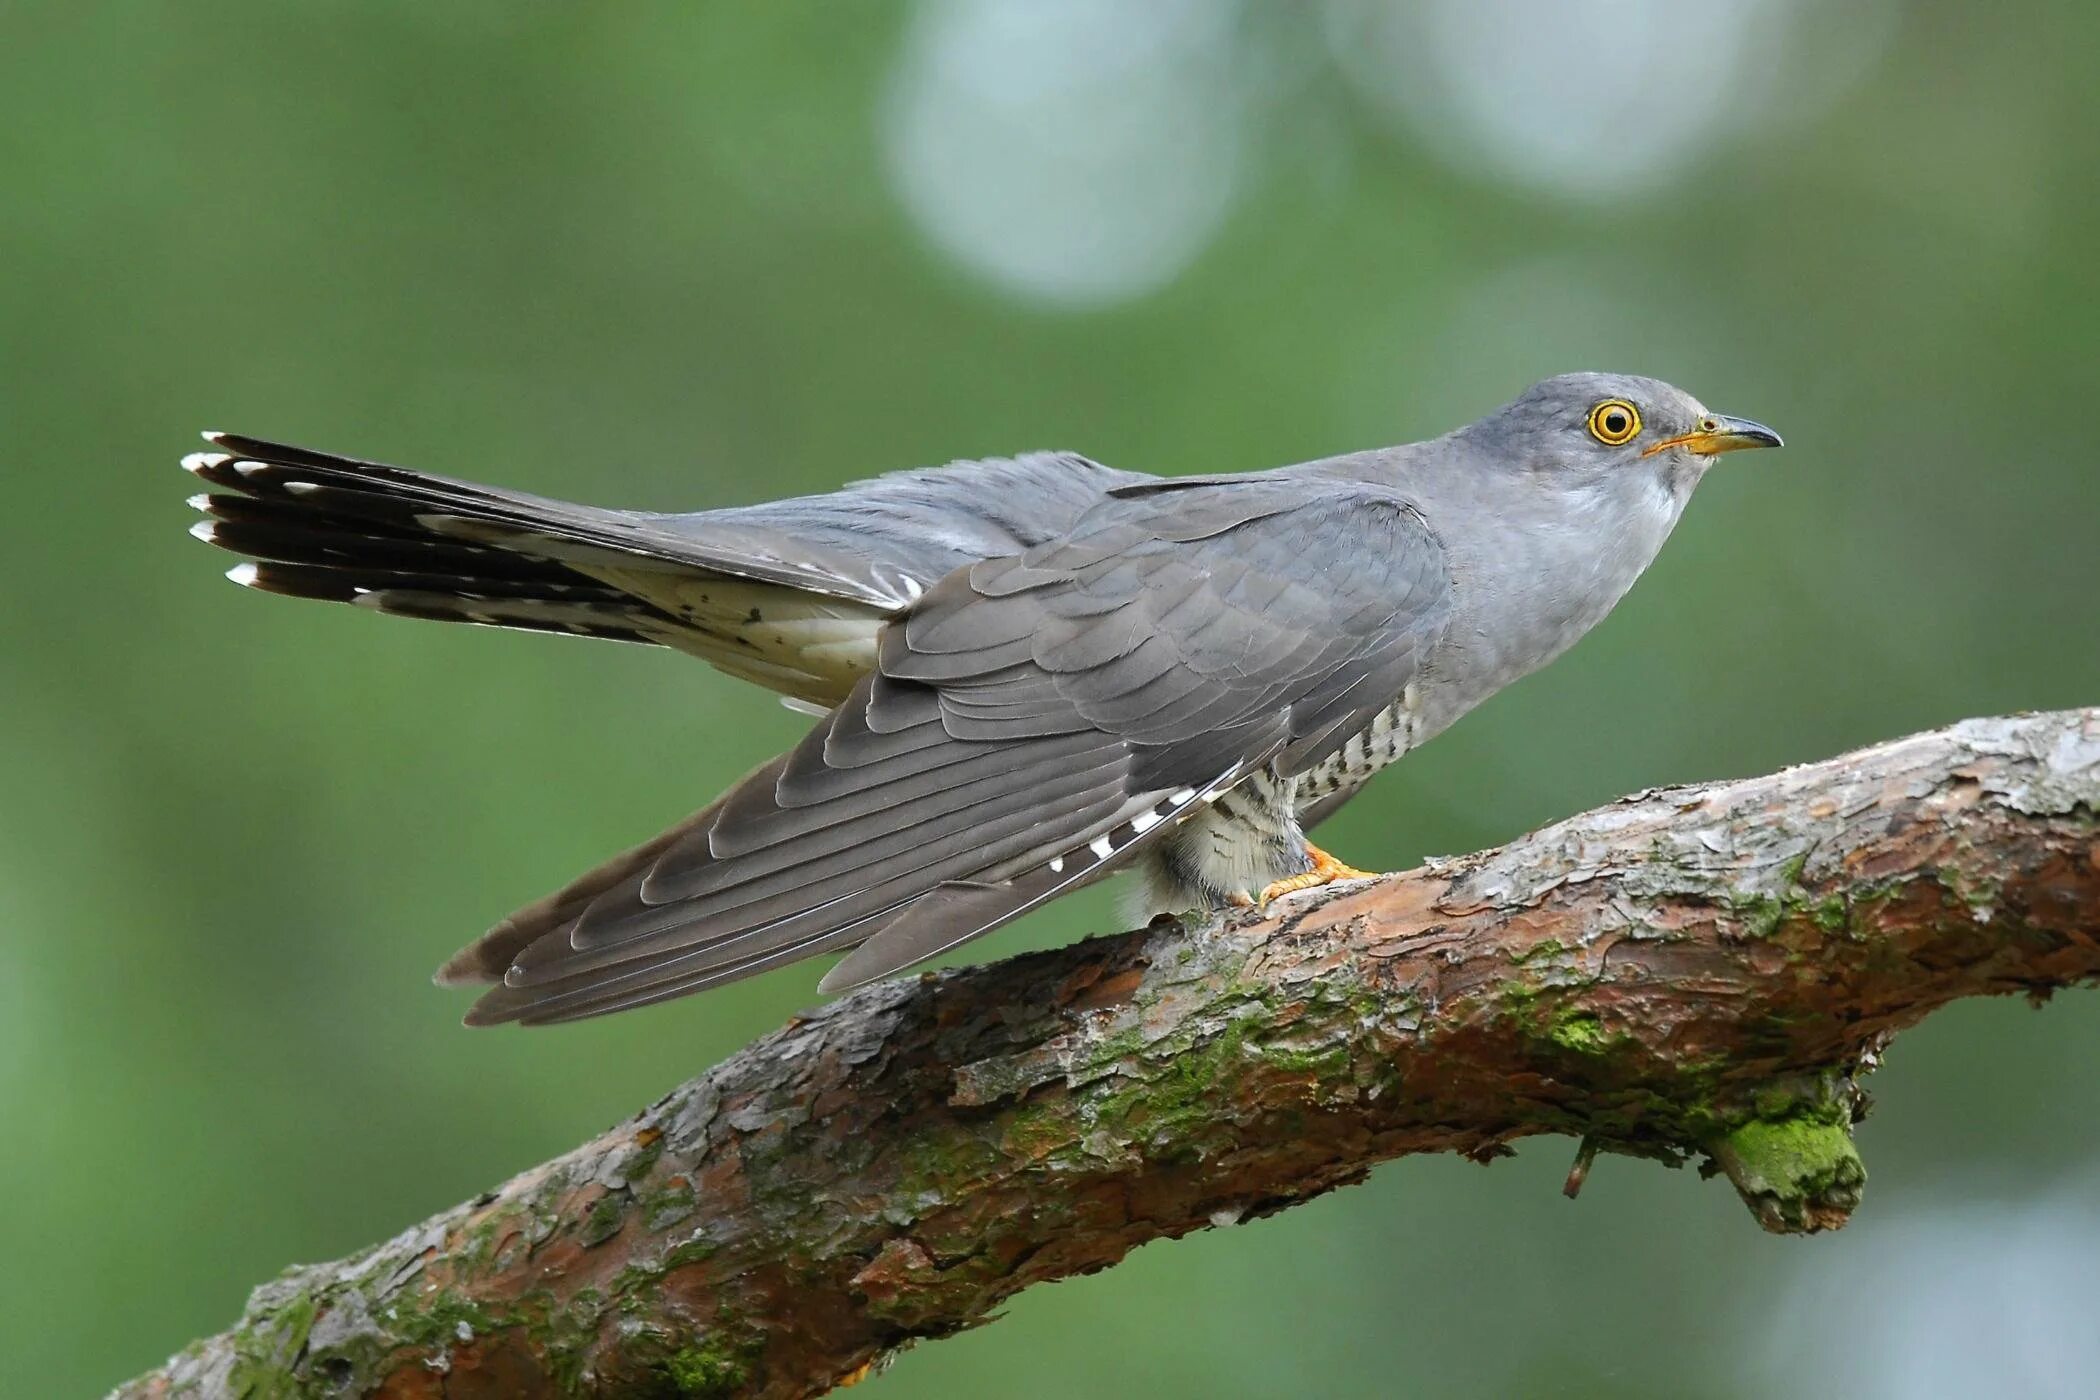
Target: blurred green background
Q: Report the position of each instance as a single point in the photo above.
(683, 255)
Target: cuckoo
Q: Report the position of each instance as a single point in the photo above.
(1026, 672)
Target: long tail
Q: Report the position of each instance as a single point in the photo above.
(411, 544)
(363, 533)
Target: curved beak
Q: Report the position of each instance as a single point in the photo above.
(1717, 433)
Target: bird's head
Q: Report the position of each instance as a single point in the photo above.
(1612, 428)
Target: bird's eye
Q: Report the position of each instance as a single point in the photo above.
(1615, 422)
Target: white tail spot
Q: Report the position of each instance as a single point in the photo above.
(1057, 865)
(301, 488)
(1185, 795)
(202, 461)
(244, 574)
(205, 530)
(1145, 821)
(1102, 847)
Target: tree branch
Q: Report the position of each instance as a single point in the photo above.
(1701, 971)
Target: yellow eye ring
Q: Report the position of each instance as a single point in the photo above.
(1615, 422)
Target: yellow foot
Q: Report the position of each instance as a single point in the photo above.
(1326, 870)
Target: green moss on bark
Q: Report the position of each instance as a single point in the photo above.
(707, 1368)
(270, 1343)
(1798, 1174)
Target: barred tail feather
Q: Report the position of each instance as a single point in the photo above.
(409, 544)
(310, 541)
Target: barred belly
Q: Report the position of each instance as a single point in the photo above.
(1250, 836)
(1378, 744)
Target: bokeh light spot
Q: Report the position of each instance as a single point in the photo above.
(1078, 154)
(1590, 99)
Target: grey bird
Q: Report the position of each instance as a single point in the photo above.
(1030, 672)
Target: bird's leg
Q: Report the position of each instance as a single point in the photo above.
(1325, 871)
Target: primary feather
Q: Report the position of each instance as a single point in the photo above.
(907, 823)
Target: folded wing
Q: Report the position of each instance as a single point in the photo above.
(1034, 721)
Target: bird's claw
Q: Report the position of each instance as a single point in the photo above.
(1325, 871)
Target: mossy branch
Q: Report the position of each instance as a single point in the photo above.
(1693, 972)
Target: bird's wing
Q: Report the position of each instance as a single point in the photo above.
(1034, 721)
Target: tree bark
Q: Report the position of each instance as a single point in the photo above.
(1699, 972)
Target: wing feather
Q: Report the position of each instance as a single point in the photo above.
(1033, 722)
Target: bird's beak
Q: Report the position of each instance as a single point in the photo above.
(1717, 433)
